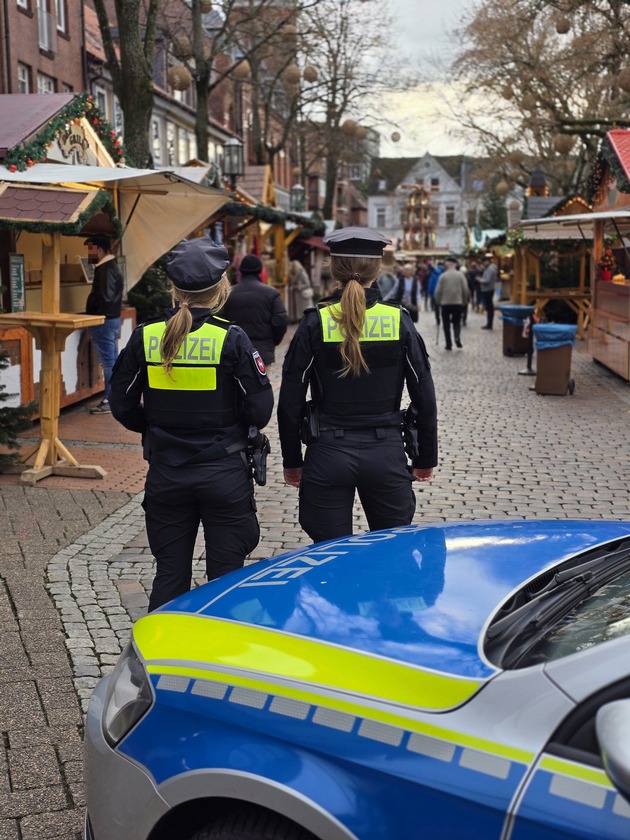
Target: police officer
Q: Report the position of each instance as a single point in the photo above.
(356, 352)
(192, 384)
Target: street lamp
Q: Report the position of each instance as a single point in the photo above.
(296, 198)
(233, 165)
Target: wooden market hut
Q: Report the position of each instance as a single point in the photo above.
(546, 254)
(60, 181)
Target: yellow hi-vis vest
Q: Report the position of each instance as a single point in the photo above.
(378, 392)
(196, 391)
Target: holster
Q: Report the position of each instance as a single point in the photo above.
(309, 429)
(257, 450)
(410, 433)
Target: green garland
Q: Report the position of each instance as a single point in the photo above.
(25, 155)
(272, 215)
(101, 201)
(607, 155)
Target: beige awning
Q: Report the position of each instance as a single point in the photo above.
(157, 208)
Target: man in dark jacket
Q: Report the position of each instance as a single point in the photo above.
(258, 309)
(104, 299)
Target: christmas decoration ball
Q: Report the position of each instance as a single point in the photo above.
(563, 25)
(349, 127)
(242, 70)
(563, 143)
(395, 136)
(310, 73)
(179, 77)
(516, 156)
(292, 74)
(502, 187)
(288, 32)
(182, 46)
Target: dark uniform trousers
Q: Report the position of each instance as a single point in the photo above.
(373, 461)
(221, 494)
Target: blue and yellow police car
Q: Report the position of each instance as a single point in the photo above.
(465, 680)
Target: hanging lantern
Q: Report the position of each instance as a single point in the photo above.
(242, 70)
(310, 73)
(563, 143)
(296, 171)
(292, 74)
(349, 127)
(516, 156)
(563, 25)
(288, 32)
(502, 187)
(179, 77)
(182, 46)
(206, 6)
(395, 136)
(624, 79)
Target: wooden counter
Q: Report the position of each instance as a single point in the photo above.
(609, 331)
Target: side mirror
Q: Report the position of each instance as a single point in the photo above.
(612, 725)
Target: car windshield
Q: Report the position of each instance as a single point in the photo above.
(579, 605)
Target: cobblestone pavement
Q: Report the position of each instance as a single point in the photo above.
(75, 566)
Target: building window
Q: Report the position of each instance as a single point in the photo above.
(156, 141)
(170, 144)
(182, 145)
(435, 183)
(355, 171)
(380, 217)
(45, 84)
(24, 78)
(23, 4)
(119, 121)
(450, 214)
(47, 28)
(62, 17)
(66, 88)
(100, 100)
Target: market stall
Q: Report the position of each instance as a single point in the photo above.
(58, 185)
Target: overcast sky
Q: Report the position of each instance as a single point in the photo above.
(421, 32)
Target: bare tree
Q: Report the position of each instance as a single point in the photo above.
(553, 78)
(130, 61)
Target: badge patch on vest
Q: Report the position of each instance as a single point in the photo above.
(259, 363)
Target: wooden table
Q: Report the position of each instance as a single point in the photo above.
(50, 332)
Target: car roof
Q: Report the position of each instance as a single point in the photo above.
(420, 595)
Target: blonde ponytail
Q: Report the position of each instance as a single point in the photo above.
(354, 274)
(179, 325)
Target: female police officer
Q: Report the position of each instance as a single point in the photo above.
(356, 352)
(192, 384)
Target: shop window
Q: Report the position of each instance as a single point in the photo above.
(24, 78)
(182, 145)
(156, 141)
(45, 84)
(170, 144)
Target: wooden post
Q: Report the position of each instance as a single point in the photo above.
(51, 261)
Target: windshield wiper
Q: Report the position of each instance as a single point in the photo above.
(517, 630)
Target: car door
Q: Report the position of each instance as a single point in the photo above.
(568, 794)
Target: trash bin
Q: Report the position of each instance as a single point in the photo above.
(554, 345)
(514, 317)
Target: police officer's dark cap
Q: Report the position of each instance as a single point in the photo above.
(197, 265)
(356, 242)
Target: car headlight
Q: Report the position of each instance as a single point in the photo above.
(128, 697)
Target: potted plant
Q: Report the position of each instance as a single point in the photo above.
(607, 264)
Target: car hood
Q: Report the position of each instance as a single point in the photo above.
(410, 602)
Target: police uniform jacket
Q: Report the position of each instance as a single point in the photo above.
(396, 355)
(203, 411)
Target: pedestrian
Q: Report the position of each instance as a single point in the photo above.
(451, 296)
(355, 352)
(105, 298)
(192, 385)
(388, 280)
(258, 309)
(300, 288)
(408, 291)
(487, 284)
(474, 290)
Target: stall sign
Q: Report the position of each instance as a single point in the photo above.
(73, 144)
(16, 282)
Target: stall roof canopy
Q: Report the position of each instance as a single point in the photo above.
(157, 208)
(22, 204)
(24, 115)
(580, 224)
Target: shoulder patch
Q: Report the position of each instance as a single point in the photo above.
(259, 362)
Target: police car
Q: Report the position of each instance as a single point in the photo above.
(467, 680)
